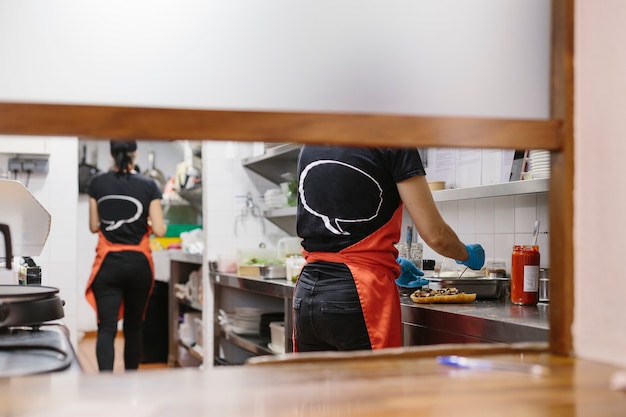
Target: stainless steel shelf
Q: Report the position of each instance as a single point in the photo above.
(279, 287)
(275, 162)
(274, 288)
(285, 218)
(495, 190)
(180, 256)
(254, 344)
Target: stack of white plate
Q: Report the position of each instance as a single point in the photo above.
(245, 320)
(539, 161)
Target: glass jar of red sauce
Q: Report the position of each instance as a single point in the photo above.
(525, 275)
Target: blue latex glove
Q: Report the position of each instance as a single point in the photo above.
(476, 258)
(410, 275)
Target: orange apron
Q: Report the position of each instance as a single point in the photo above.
(102, 250)
(374, 268)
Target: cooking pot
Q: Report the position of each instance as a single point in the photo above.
(289, 246)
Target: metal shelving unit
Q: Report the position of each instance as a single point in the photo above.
(181, 265)
(494, 190)
(275, 162)
(247, 289)
(283, 159)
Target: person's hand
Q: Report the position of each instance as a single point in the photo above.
(476, 258)
(410, 274)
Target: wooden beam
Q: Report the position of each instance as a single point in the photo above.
(561, 198)
(109, 122)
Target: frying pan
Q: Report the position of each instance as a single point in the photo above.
(154, 172)
(25, 305)
(85, 173)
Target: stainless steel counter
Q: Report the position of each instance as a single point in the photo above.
(496, 321)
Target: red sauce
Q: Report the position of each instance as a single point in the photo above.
(525, 275)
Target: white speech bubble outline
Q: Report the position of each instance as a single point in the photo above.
(114, 225)
(338, 230)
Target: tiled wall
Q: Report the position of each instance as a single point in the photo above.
(498, 223)
(57, 192)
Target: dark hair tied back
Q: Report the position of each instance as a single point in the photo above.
(122, 152)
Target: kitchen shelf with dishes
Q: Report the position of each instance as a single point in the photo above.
(247, 309)
(185, 310)
(277, 161)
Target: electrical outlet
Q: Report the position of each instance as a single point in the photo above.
(28, 165)
(41, 166)
(32, 165)
(15, 165)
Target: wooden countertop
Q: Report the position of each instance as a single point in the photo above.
(403, 382)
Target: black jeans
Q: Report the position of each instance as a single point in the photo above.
(124, 276)
(327, 311)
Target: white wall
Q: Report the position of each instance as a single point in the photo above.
(57, 192)
(442, 57)
(600, 202)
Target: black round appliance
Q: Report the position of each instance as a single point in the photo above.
(29, 305)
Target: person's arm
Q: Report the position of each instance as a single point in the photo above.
(437, 234)
(94, 217)
(155, 216)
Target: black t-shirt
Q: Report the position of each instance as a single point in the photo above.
(345, 194)
(123, 205)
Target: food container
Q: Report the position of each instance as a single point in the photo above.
(483, 287)
(277, 330)
(544, 285)
(436, 185)
(262, 271)
(495, 269)
(525, 261)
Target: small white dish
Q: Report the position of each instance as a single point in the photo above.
(276, 349)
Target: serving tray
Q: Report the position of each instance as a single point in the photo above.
(484, 287)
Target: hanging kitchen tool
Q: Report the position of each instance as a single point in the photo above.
(155, 173)
(250, 209)
(85, 173)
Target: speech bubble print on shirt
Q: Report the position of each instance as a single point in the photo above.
(127, 210)
(328, 177)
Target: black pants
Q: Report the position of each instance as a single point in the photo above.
(327, 311)
(124, 277)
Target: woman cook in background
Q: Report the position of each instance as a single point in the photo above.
(124, 209)
(349, 215)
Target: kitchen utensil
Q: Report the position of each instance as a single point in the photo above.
(85, 173)
(409, 238)
(473, 363)
(535, 233)
(155, 173)
(462, 272)
(7, 276)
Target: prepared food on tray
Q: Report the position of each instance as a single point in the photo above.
(445, 295)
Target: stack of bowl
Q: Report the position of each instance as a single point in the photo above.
(539, 161)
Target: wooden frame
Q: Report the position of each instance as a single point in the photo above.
(556, 134)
